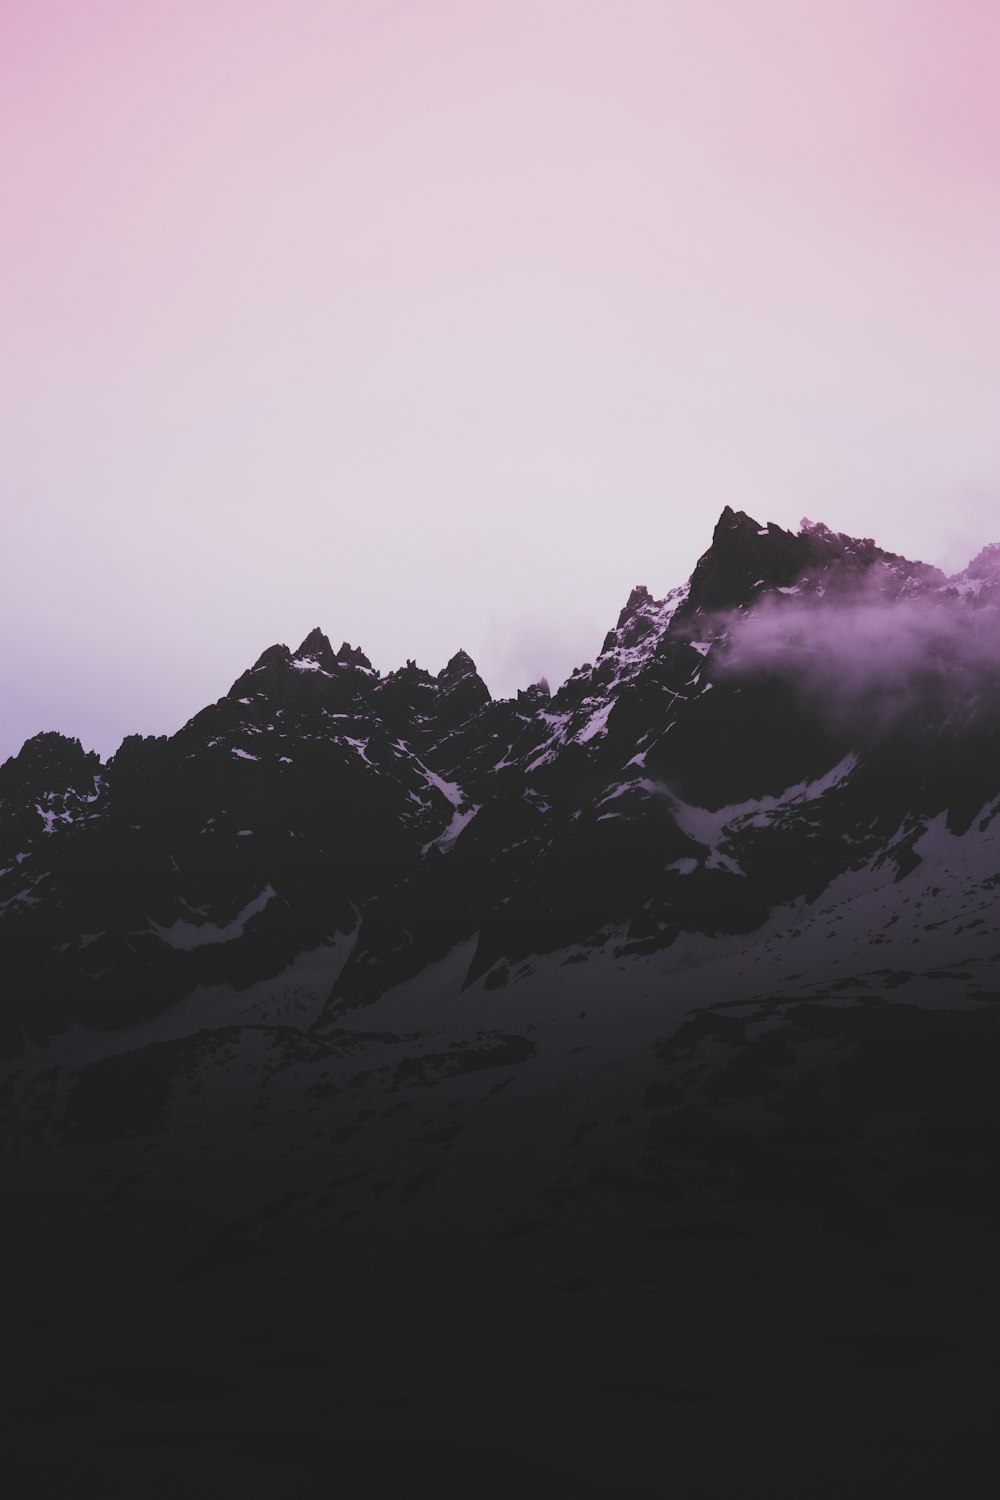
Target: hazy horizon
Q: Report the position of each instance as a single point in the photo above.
(443, 325)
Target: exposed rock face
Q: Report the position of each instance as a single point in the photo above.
(747, 561)
(316, 647)
(353, 656)
(659, 1007)
(743, 558)
(44, 789)
(419, 807)
(49, 763)
(985, 564)
(462, 692)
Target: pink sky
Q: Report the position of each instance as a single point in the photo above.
(443, 324)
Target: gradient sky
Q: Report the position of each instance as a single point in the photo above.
(443, 324)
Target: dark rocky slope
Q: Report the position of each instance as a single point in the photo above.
(581, 1094)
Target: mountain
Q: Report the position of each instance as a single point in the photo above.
(383, 1060)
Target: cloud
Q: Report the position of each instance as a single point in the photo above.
(868, 662)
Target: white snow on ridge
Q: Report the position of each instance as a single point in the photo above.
(637, 784)
(459, 820)
(547, 755)
(596, 724)
(449, 789)
(630, 660)
(187, 935)
(50, 819)
(557, 723)
(709, 826)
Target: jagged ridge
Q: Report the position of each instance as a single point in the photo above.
(318, 797)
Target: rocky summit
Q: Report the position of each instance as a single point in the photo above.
(584, 1093)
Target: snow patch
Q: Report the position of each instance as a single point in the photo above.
(459, 820)
(709, 826)
(50, 819)
(449, 789)
(188, 935)
(596, 724)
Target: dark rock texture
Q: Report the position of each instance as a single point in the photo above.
(586, 1093)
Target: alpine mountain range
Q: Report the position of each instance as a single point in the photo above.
(551, 1095)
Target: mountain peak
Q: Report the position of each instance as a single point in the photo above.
(460, 665)
(531, 698)
(311, 673)
(985, 564)
(639, 597)
(465, 689)
(353, 656)
(734, 520)
(49, 761)
(317, 645)
(743, 555)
